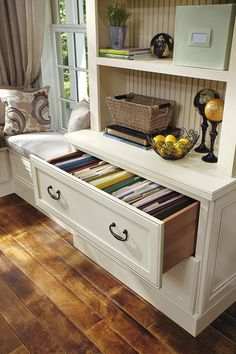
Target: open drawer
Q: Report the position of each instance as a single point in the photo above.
(137, 240)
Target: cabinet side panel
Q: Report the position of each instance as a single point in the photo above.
(226, 253)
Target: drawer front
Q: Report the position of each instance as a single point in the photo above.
(102, 219)
(4, 168)
(21, 167)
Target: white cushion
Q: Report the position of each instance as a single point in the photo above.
(80, 117)
(46, 145)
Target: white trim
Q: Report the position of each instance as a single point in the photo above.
(47, 67)
(69, 28)
(72, 68)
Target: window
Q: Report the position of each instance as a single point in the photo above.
(70, 52)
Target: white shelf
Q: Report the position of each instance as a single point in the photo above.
(164, 66)
(190, 174)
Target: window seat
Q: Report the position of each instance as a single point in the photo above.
(44, 145)
(18, 175)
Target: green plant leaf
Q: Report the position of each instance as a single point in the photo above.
(117, 14)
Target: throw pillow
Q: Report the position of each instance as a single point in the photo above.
(2, 112)
(26, 111)
(80, 117)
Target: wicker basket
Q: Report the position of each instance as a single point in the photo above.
(142, 113)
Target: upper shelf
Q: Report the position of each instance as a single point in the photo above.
(189, 175)
(164, 66)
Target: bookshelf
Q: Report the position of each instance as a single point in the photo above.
(158, 77)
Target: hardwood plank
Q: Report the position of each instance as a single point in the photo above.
(15, 220)
(68, 238)
(117, 319)
(19, 283)
(71, 339)
(176, 337)
(20, 350)
(216, 342)
(28, 293)
(54, 227)
(232, 310)
(139, 309)
(227, 325)
(136, 335)
(8, 339)
(67, 275)
(72, 307)
(26, 326)
(108, 340)
(11, 199)
(81, 263)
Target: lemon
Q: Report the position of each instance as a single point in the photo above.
(178, 152)
(170, 139)
(183, 140)
(159, 138)
(159, 144)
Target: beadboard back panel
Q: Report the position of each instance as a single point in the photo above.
(148, 18)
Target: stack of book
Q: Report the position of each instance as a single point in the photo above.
(145, 195)
(128, 53)
(135, 137)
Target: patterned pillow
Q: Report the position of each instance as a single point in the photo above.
(26, 111)
(2, 112)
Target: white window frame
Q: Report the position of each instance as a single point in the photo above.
(66, 28)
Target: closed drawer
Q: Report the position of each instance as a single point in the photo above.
(22, 169)
(104, 220)
(4, 166)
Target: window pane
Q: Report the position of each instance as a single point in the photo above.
(68, 11)
(82, 85)
(82, 11)
(67, 80)
(62, 47)
(81, 50)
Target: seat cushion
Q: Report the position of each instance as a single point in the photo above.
(46, 145)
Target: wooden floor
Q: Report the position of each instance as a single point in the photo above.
(53, 299)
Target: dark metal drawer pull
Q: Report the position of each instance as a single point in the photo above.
(53, 196)
(125, 232)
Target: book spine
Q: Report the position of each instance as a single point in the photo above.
(127, 141)
(114, 51)
(116, 56)
(124, 56)
(126, 136)
(123, 51)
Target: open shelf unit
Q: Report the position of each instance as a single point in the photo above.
(158, 77)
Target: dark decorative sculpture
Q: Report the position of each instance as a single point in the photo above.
(214, 113)
(200, 101)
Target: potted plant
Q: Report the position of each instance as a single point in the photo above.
(117, 14)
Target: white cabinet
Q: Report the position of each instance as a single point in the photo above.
(214, 185)
(195, 290)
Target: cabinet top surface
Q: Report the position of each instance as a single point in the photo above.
(189, 174)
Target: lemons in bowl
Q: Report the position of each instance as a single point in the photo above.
(170, 148)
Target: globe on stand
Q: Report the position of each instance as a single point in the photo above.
(214, 113)
(200, 100)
